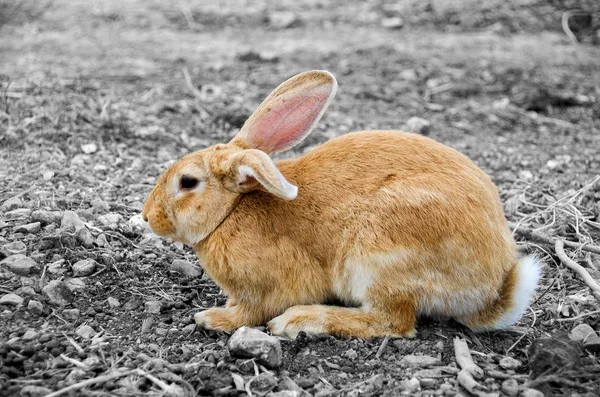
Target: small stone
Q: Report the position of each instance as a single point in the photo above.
(29, 228)
(152, 307)
(75, 284)
(392, 23)
(428, 373)
(29, 335)
(427, 383)
(285, 393)
(509, 363)
(102, 241)
(350, 354)
(56, 267)
(287, 384)
(19, 213)
(84, 236)
(160, 331)
(420, 361)
(592, 344)
(185, 268)
(531, 393)
(100, 206)
(84, 267)
(113, 302)
(85, 331)
(20, 265)
(14, 248)
(581, 332)
(510, 387)
(35, 307)
(417, 125)
(411, 385)
(12, 203)
(283, 20)
(71, 314)
(57, 293)
(110, 220)
(264, 383)
(70, 222)
(47, 175)
(188, 329)
(250, 342)
(89, 148)
(34, 391)
(46, 217)
(11, 300)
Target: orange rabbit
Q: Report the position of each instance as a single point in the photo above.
(391, 224)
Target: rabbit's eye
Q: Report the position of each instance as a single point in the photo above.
(188, 182)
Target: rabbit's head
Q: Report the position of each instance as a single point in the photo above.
(196, 193)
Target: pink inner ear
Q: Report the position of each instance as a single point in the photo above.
(287, 120)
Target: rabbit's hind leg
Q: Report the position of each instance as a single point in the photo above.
(359, 322)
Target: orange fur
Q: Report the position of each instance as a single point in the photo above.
(392, 222)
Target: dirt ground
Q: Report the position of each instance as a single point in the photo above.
(98, 98)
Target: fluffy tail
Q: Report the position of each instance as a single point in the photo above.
(528, 271)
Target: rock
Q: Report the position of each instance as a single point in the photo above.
(110, 220)
(102, 241)
(152, 307)
(47, 175)
(14, 248)
(428, 373)
(250, 342)
(85, 331)
(531, 393)
(417, 125)
(185, 268)
(11, 300)
(392, 23)
(551, 355)
(35, 307)
(29, 228)
(287, 384)
(283, 20)
(113, 302)
(70, 222)
(34, 391)
(285, 393)
(592, 344)
(89, 148)
(75, 284)
(100, 206)
(420, 361)
(581, 332)
(46, 217)
(509, 363)
(20, 265)
(264, 383)
(510, 387)
(12, 204)
(84, 236)
(56, 267)
(427, 383)
(84, 267)
(71, 314)
(410, 385)
(19, 213)
(350, 354)
(57, 293)
(29, 335)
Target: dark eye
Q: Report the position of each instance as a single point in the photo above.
(188, 182)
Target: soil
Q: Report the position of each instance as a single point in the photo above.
(94, 105)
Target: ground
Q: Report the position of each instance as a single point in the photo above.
(97, 98)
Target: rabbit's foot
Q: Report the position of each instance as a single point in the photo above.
(342, 321)
(223, 318)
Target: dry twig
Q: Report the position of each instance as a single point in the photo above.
(577, 268)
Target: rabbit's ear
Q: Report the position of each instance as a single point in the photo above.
(289, 113)
(253, 169)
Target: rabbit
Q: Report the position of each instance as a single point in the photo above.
(389, 224)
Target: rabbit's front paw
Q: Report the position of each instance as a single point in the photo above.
(217, 318)
(296, 319)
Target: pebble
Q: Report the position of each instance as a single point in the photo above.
(29, 335)
(85, 331)
(71, 314)
(350, 354)
(46, 217)
(84, 236)
(34, 391)
(412, 359)
(287, 384)
(29, 228)
(14, 248)
(100, 206)
(113, 302)
(285, 393)
(102, 241)
(89, 148)
(75, 284)
(152, 307)
(411, 385)
(47, 175)
(11, 299)
(56, 267)
(392, 23)
(264, 383)
(35, 307)
(250, 342)
(70, 222)
(417, 125)
(19, 213)
(531, 393)
(282, 19)
(581, 332)
(84, 267)
(185, 268)
(592, 344)
(12, 203)
(510, 387)
(428, 373)
(57, 293)
(20, 265)
(427, 383)
(509, 363)
(110, 220)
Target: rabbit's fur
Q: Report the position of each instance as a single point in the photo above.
(391, 224)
